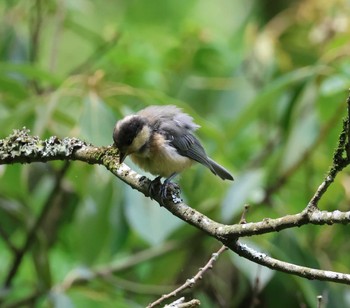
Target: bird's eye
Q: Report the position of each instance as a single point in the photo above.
(129, 141)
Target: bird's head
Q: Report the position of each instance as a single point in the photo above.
(130, 135)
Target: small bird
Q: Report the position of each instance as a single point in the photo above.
(160, 140)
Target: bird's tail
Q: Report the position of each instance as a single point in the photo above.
(219, 170)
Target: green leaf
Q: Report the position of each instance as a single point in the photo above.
(91, 239)
(303, 135)
(12, 88)
(245, 188)
(152, 222)
(97, 121)
(59, 299)
(270, 94)
(334, 84)
(28, 72)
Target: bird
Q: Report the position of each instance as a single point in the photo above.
(161, 140)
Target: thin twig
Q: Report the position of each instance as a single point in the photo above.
(256, 290)
(7, 240)
(191, 282)
(244, 214)
(319, 301)
(347, 145)
(339, 163)
(180, 303)
(35, 28)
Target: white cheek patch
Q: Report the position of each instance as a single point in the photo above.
(140, 140)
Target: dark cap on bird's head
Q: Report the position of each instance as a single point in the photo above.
(129, 135)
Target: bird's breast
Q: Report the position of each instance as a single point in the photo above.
(160, 158)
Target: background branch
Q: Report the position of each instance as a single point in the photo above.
(38, 223)
(190, 282)
(75, 277)
(35, 34)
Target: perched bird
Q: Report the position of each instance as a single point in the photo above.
(160, 140)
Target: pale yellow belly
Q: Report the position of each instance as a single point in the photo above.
(163, 162)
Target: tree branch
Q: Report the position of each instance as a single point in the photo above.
(302, 271)
(20, 147)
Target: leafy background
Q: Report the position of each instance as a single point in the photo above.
(266, 80)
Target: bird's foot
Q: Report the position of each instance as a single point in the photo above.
(154, 186)
(167, 191)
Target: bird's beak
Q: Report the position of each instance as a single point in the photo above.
(122, 156)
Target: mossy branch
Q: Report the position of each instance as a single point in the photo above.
(21, 147)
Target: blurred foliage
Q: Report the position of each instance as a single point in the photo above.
(267, 82)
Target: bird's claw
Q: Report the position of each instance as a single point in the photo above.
(154, 186)
(167, 190)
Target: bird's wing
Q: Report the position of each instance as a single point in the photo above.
(177, 127)
(189, 146)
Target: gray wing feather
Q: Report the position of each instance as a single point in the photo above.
(220, 170)
(189, 146)
(178, 127)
